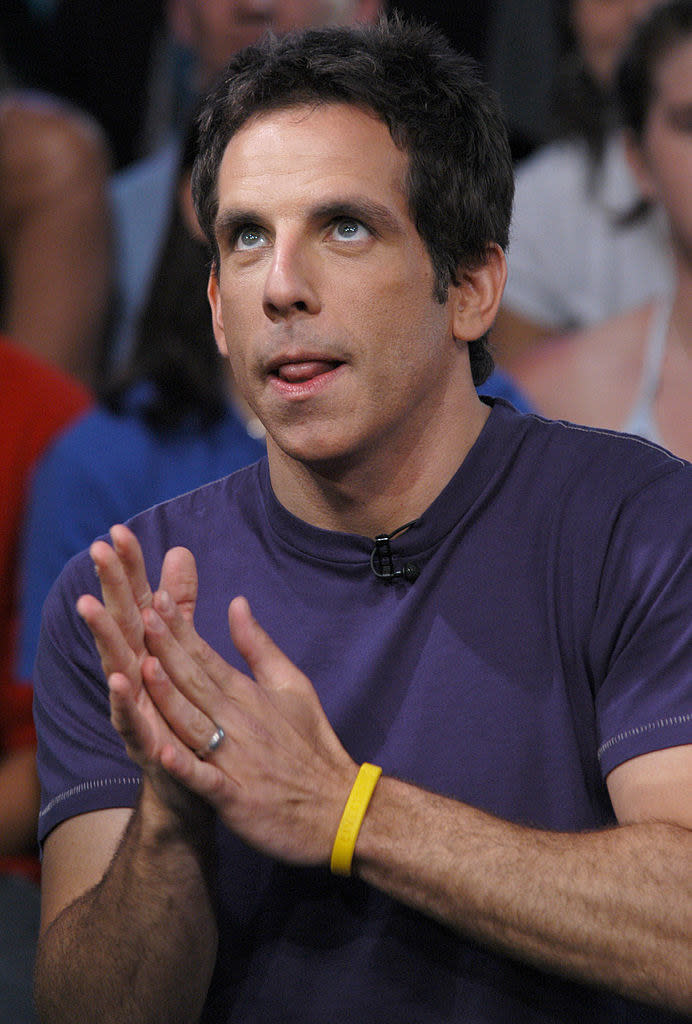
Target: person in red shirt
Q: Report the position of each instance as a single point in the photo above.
(36, 402)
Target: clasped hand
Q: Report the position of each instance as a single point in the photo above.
(280, 776)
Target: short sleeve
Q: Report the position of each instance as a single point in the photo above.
(644, 701)
(82, 761)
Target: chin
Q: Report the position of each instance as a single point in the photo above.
(325, 456)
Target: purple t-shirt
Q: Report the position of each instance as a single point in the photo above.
(546, 639)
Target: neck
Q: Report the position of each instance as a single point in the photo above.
(378, 492)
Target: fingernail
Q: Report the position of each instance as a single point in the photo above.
(163, 601)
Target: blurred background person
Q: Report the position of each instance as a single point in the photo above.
(634, 372)
(55, 238)
(36, 400)
(54, 291)
(584, 245)
(103, 58)
(135, 66)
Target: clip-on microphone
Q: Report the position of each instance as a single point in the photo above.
(382, 561)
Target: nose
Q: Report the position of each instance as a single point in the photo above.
(290, 287)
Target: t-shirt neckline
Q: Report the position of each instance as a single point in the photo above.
(485, 461)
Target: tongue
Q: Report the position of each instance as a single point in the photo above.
(297, 372)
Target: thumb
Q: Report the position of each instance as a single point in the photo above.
(289, 689)
(268, 664)
(271, 668)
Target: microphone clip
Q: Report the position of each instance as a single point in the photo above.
(382, 560)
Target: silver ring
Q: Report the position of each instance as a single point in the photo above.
(213, 744)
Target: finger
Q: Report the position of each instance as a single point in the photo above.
(117, 592)
(196, 703)
(127, 718)
(129, 552)
(200, 777)
(289, 689)
(179, 579)
(184, 632)
(185, 673)
(269, 665)
(191, 725)
(114, 649)
(145, 733)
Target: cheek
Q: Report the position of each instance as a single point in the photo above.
(415, 344)
(236, 331)
(241, 302)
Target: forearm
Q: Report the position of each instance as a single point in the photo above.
(610, 908)
(140, 945)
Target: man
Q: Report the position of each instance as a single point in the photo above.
(522, 605)
(585, 247)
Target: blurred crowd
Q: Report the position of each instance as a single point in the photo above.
(110, 380)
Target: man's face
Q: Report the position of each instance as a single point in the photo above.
(216, 29)
(324, 298)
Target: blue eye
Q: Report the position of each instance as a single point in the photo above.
(249, 238)
(349, 229)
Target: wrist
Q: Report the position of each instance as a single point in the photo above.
(169, 812)
(352, 818)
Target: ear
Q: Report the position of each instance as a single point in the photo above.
(214, 296)
(636, 158)
(475, 299)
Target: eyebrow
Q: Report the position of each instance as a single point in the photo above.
(359, 208)
(231, 220)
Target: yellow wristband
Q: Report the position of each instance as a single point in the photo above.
(352, 818)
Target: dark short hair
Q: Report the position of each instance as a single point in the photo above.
(435, 105)
(654, 37)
